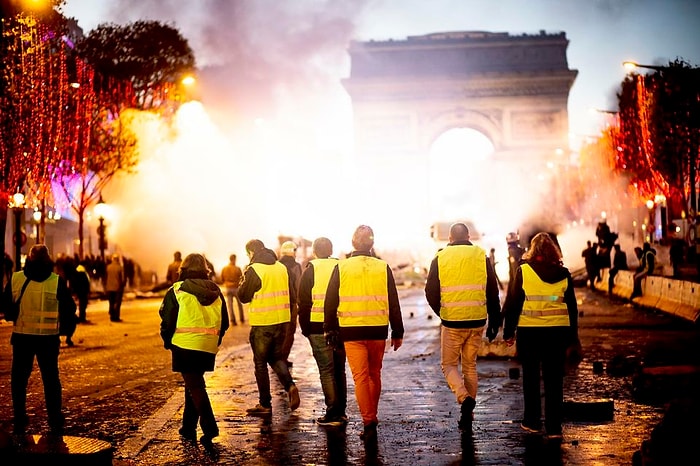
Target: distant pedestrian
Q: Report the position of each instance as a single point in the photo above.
(675, 254)
(515, 253)
(80, 286)
(265, 286)
(462, 290)
(173, 272)
(361, 302)
(330, 359)
(619, 263)
(288, 252)
(45, 309)
(590, 259)
(647, 264)
(114, 283)
(193, 322)
(231, 276)
(541, 312)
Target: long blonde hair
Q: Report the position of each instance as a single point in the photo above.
(543, 249)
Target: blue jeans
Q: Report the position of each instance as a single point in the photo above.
(331, 370)
(267, 342)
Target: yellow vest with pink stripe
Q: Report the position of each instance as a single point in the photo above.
(544, 304)
(363, 298)
(270, 304)
(38, 313)
(462, 272)
(198, 326)
(323, 268)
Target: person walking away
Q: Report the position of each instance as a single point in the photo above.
(515, 253)
(590, 256)
(330, 359)
(619, 263)
(266, 286)
(194, 320)
(80, 286)
(231, 276)
(288, 252)
(173, 272)
(541, 318)
(462, 290)
(361, 302)
(647, 264)
(45, 307)
(114, 287)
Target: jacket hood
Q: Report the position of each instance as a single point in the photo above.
(265, 256)
(549, 273)
(206, 291)
(38, 271)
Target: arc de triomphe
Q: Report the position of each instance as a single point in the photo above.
(513, 89)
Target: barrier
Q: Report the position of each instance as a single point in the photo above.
(677, 297)
(690, 301)
(651, 292)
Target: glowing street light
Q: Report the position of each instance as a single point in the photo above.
(633, 65)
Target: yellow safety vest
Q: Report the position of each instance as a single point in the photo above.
(462, 272)
(198, 326)
(363, 297)
(38, 310)
(270, 304)
(323, 268)
(544, 304)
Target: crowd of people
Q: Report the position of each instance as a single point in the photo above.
(346, 308)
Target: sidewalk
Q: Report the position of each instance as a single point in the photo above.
(418, 414)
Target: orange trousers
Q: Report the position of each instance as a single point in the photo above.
(365, 359)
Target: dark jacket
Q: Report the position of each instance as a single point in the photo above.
(493, 302)
(251, 281)
(294, 271)
(39, 272)
(206, 292)
(549, 273)
(330, 310)
(306, 285)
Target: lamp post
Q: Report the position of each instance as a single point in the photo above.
(18, 238)
(100, 209)
(652, 221)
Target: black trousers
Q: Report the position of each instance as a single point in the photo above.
(197, 406)
(45, 348)
(542, 355)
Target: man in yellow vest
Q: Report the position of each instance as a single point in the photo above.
(361, 302)
(462, 290)
(194, 319)
(266, 286)
(45, 307)
(329, 359)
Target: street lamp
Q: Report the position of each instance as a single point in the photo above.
(652, 221)
(19, 238)
(100, 210)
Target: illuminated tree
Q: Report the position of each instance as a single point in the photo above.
(33, 86)
(152, 56)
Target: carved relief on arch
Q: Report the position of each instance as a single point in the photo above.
(487, 121)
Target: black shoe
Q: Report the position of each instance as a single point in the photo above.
(467, 413)
(189, 435)
(206, 441)
(328, 420)
(369, 432)
(70, 342)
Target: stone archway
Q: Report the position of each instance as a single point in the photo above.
(405, 93)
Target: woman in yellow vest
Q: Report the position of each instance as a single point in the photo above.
(193, 321)
(46, 307)
(541, 311)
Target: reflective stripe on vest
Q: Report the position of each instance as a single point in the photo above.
(270, 304)
(197, 325)
(363, 295)
(544, 304)
(38, 310)
(462, 272)
(323, 268)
